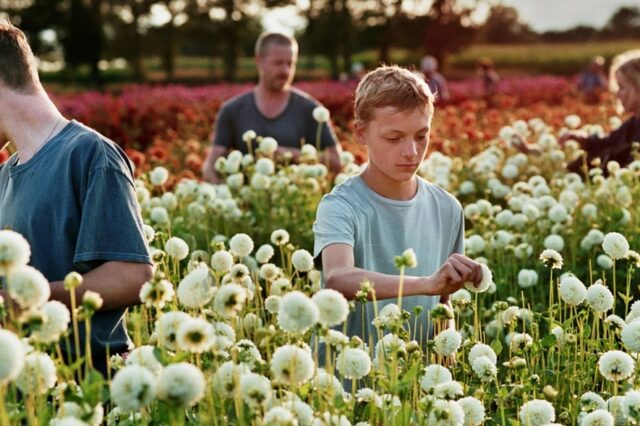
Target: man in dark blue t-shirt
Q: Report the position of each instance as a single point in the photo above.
(274, 109)
(70, 192)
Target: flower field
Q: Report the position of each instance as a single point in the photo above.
(235, 327)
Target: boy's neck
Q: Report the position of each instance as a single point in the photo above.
(387, 188)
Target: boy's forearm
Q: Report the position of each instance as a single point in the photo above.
(348, 282)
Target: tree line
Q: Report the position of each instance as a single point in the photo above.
(87, 31)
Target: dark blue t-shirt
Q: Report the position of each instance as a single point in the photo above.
(74, 201)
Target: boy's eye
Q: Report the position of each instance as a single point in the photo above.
(392, 138)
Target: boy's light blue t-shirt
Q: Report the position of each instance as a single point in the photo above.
(379, 228)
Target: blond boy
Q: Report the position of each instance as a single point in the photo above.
(367, 220)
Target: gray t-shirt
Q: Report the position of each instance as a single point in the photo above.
(74, 201)
(293, 126)
(378, 228)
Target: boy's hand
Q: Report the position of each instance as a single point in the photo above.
(457, 270)
(576, 135)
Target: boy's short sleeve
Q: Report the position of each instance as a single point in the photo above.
(334, 224)
(223, 129)
(111, 226)
(458, 243)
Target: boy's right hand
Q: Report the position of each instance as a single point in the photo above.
(456, 271)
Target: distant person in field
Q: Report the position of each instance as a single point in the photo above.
(70, 192)
(370, 218)
(592, 80)
(488, 77)
(624, 82)
(436, 81)
(273, 108)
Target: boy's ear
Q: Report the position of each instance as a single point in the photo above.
(358, 131)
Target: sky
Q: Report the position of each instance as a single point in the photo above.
(541, 15)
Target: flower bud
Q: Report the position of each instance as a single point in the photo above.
(72, 281)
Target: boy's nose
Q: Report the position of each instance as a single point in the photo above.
(410, 149)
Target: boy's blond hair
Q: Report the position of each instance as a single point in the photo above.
(391, 86)
(627, 64)
(17, 65)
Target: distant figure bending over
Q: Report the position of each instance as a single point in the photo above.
(273, 108)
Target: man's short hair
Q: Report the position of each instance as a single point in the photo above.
(391, 86)
(17, 65)
(269, 38)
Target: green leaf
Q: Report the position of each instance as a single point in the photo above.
(496, 346)
(549, 340)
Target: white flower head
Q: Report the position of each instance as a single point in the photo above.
(28, 286)
(527, 278)
(11, 357)
(297, 312)
(302, 260)
(255, 389)
(599, 297)
(249, 136)
(631, 405)
(615, 245)
(590, 401)
(353, 363)
(264, 253)
(434, 374)
(196, 288)
(157, 293)
(14, 250)
(448, 390)
(572, 291)
(221, 261)
(158, 176)
(485, 368)
(332, 307)
(144, 356)
(537, 412)
(57, 318)
(230, 299)
(631, 336)
(226, 379)
(279, 237)
(241, 244)
(447, 342)
(292, 365)
(551, 259)
(480, 349)
(615, 365)
(268, 145)
(598, 418)
(279, 416)
(321, 114)
(167, 328)
(38, 374)
(485, 283)
(473, 411)
(133, 387)
(446, 413)
(181, 384)
(176, 248)
(265, 166)
(195, 335)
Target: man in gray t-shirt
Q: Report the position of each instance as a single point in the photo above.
(272, 109)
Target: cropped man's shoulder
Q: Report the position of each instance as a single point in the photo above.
(238, 101)
(304, 97)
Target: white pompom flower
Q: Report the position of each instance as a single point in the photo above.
(176, 248)
(598, 418)
(38, 374)
(196, 288)
(297, 312)
(264, 253)
(195, 335)
(537, 412)
(158, 176)
(447, 342)
(144, 356)
(434, 374)
(28, 287)
(473, 411)
(615, 245)
(241, 244)
(292, 365)
(133, 387)
(332, 306)
(572, 291)
(14, 250)
(255, 389)
(230, 299)
(11, 357)
(615, 365)
(485, 283)
(631, 336)
(321, 114)
(57, 318)
(302, 260)
(599, 297)
(481, 349)
(484, 368)
(221, 261)
(181, 384)
(353, 363)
